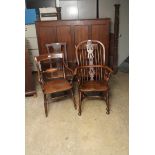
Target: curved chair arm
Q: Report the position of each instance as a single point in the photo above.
(70, 71)
(40, 76)
(107, 73)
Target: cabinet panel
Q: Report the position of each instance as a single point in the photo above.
(64, 35)
(81, 33)
(101, 32)
(46, 35)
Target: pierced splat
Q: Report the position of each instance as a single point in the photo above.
(91, 73)
(90, 50)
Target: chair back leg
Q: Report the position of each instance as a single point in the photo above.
(72, 95)
(45, 105)
(79, 105)
(107, 103)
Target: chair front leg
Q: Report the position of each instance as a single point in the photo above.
(45, 105)
(107, 103)
(79, 105)
(73, 99)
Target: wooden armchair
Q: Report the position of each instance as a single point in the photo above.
(92, 74)
(56, 84)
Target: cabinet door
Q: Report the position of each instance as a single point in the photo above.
(46, 35)
(29, 83)
(81, 33)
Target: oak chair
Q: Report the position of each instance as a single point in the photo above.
(55, 84)
(92, 74)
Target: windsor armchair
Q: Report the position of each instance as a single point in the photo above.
(92, 73)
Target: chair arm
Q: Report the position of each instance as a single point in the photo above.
(40, 79)
(71, 72)
(107, 73)
(69, 69)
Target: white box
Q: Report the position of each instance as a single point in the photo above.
(49, 13)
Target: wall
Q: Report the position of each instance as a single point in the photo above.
(124, 31)
(78, 9)
(106, 9)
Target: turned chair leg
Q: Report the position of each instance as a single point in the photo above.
(45, 105)
(107, 103)
(73, 99)
(79, 105)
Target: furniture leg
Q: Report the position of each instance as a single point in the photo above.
(73, 99)
(107, 103)
(79, 105)
(45, 105)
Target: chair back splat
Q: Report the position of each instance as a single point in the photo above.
(90, 52)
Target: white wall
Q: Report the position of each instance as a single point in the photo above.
(124, 31)
(106, 9)
(86, 9)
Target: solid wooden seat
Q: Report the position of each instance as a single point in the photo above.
(57, 85)
(91, 86)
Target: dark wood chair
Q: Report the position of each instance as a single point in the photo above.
(58, 48)
(92, 75)
(55, 84)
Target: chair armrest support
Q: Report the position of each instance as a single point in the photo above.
(71, 72)
(107, 73)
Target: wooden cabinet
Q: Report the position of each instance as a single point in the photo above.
(72, 32)
(29, 82)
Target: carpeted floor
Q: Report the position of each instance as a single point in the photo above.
(63, 132)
